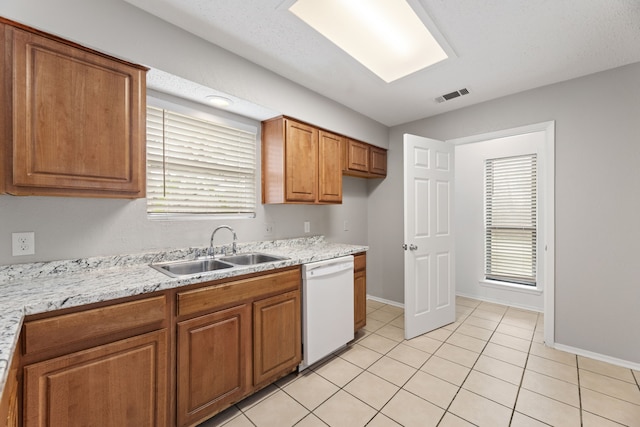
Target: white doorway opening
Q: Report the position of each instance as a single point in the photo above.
(470, 220)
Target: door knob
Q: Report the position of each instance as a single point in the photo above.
(412, 247)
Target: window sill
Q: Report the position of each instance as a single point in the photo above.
(510, 286)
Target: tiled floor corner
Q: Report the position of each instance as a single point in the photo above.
(489, 368)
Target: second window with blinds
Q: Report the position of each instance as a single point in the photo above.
(511, 212)
(198, 166)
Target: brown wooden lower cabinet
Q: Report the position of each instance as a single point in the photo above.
(10, 399)
(125, 366)
(118, 384)
(214, 362)
(276, 337)
(359, 291)
(234, 338)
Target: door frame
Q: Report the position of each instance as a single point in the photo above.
(548, 211)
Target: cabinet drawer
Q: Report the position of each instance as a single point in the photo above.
(71, 328)
(211, 297)
(359, 262)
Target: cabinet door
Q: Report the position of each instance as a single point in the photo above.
(214, 362)
(276, 336)
(378, 161)
(359, 299)
(301, 147)
(9, 401)
(329, 168)
(119, 384)
(357, 156)
(78, 121)
(360, 291)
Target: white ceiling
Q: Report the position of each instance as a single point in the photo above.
(501, 47)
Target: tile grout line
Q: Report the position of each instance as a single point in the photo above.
(528, 353)
(402, 386)
(468, 373)
(419, 370)
(579, 388)
(471, 370)
(409, 379)
(524, 370)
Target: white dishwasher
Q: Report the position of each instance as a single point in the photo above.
(327, 308)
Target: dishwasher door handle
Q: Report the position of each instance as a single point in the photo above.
(327, 270)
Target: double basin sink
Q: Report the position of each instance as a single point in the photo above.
(204, 265)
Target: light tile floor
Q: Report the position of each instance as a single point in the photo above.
(489, 368)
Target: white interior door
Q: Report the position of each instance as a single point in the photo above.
(429, 263)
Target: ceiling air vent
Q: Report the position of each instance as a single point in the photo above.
(452, 95)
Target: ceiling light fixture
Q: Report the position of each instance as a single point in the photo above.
(219, 101)
(386, 36)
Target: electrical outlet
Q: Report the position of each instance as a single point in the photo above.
(346, 225)
(23, 243)
(268, 228)
(307, 227)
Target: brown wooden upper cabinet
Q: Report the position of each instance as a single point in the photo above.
(357, 156)
(300, 163)
(364, 160)
(73, 120)
(378, 161)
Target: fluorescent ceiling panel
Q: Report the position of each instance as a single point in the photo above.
(386, 36)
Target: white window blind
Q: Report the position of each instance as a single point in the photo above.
(511, 219)
(195, 166)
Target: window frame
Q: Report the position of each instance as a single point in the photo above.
(223, 118)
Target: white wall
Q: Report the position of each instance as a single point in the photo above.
(469, 218)
(76, 227)
(597, 202)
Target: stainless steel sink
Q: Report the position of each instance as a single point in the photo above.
(198, 266)
(186, 268)
(251, 258)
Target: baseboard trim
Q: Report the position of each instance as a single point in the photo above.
(495, 301)
(385, 301)
(597, 356)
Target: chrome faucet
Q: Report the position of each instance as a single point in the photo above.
(212, 251)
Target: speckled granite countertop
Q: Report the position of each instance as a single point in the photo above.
(40, 287)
